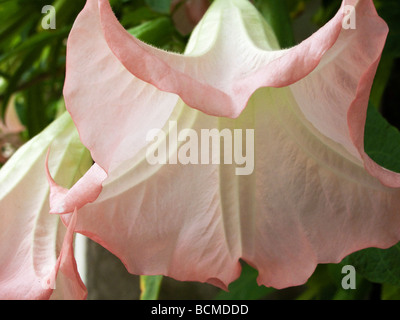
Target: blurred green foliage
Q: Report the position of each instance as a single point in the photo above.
(32, 70)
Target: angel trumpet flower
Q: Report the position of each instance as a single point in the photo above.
(314, 195)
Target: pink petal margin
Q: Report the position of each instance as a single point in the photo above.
(170, 220)
(86, 190)
(31, 238)
(73, 288)
(222, 97)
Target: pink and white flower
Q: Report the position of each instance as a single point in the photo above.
(314, 197)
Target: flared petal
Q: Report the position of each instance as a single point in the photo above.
(313, 195)
(223, 81)
(30, 237)
(338, 90)
(311, 204)
(105, 60)
(70, 282)
(306, 204)
(100, 93)
(168, 219)
(86, 190)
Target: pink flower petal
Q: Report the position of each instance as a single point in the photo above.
(312, 204)
(71, 284)
(338, 90)
(223, 82)
(310, 199)
(167, 219)
(30, 237)
(116, 96)
(86, 190)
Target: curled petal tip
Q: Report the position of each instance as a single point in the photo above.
(86, 190)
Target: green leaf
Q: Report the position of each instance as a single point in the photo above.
(326, 11)
(38, 40)
(382, 141)
(377, 265)
(150, 287)
(246, 287)
(35, 120)
(389, 10)
(13, 19)
(162, 6)
(12, 86)
(155, 32)
(382, 77)
(133, 18)
(277, 15)
(390, 292)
